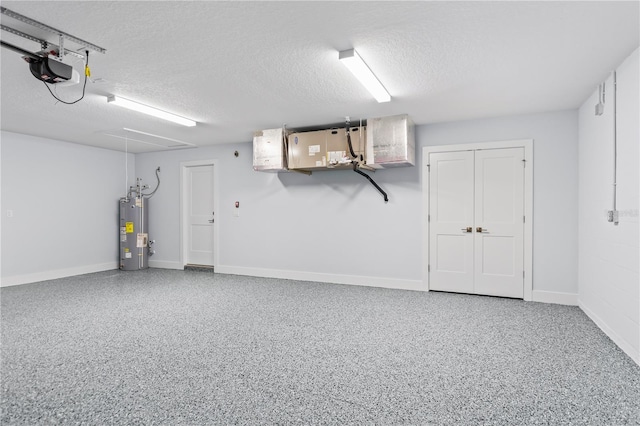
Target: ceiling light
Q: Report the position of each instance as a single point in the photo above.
(356, 65)
(150, 111)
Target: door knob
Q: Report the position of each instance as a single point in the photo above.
(468, 229)
(211, 221)
(479, 229)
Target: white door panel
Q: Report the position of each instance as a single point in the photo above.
(499, 248)
(200, 215)
(498, 255)
(451, 201)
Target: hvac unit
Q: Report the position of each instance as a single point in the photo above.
(383, 142)
(376, 143)
(391, 142)
(325, 149)
(269, 150)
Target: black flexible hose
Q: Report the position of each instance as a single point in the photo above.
(384, 194)
(353, 154)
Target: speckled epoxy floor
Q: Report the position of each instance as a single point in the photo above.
(188, 347)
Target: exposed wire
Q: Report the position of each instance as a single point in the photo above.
(347, 130)
(353, 154)
(87, 73)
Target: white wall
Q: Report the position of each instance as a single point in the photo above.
(331, 226)
(334, 226)
(609, 255)
(64, 200)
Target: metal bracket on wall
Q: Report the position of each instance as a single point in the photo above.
(303, 172)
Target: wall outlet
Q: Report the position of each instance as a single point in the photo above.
(9, 213)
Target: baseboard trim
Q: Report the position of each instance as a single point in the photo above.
(626, 347)
(393, 283)
(556, 297)
(55, 274)
(165, 264)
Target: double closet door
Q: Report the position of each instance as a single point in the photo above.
(476, 222)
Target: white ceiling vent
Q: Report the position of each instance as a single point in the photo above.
(149, 141)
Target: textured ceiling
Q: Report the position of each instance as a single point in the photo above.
(237, 67)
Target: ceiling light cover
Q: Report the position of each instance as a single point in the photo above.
(357, 66)
(116, 100)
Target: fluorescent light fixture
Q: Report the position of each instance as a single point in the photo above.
(150, 111)
(356, 65)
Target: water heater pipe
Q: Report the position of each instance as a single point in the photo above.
(157, 186)
(126, 162)
(615, 149)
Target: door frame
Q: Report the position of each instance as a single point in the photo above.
(527, 144)
(184, 232)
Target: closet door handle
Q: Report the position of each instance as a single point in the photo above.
(480, 230)
(467, 229)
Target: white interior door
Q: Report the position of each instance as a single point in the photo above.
(499, 222)
(451, 221)
(476, 229)
(199, 215)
